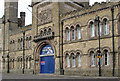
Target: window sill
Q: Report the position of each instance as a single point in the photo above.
(73, 67)
(79, 39)
(72, 41)
(28, 49)
(107, 65)
(92, 36)
(79, 67)
(67, 67)
(105, 34)
(100, 65)
(101, 37)
(93, 66)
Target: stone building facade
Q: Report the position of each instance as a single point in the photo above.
(63, 38)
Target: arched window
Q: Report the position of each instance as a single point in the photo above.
(99, 53)
(92, 58)
(21, 43)
(3, 63)
(10, 63)
(41, 32)
(30, 41)
(106, 27)
(92, 29)
(73, 33)
(10, 45)
(27, 40)
(45, 32)
(28, 65)
(78, 32)
(100, 29)
(73, 60)
(68, 60)
(26, 62)
(49, 30)
(14, 45)
(13, 63)
(106, 57)
(17, 63)
(78, 60)
(68, 34)
(21, 64)
(30, 62)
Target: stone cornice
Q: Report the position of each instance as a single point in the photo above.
(92, 9)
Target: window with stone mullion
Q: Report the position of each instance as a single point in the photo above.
(14, 46)
(73, 61)
(68, 61)
(27, 44)
(92, 59)
(19, 45)
(73, 34)
(106, 58)
(106, 27)
(100, 59)
(92, 29)
(78, 32)
(68, 34)
(79, 60)
(100, 29)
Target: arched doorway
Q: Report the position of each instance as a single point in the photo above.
(47, 61)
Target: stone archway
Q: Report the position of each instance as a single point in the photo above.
(37, 50)
(47, 61)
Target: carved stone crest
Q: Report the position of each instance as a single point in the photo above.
(45, 16)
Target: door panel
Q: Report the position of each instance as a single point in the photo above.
(47, 64)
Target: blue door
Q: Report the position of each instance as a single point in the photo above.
(47, 62)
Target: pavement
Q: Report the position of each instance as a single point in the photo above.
(47, 77)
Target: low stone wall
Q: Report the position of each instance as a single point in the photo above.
(19, 71)
(73, 72)
(93, 72)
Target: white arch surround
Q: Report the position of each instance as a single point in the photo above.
(105, 17)
(90, 20)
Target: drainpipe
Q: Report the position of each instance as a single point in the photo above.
(61, 69)
(3, 47)
(23, 51)
(8, 69)
(99, 48)
(112, 11)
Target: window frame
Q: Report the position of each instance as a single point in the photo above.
(73, 61)
(79, 60)
(100, 29)
(108, 59)
(106, 27)
(92, 27)
(78, 32)
(73, 33)
(93, 61)
(101, 59)
(67, 61)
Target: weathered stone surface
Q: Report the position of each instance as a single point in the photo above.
(51, 22)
